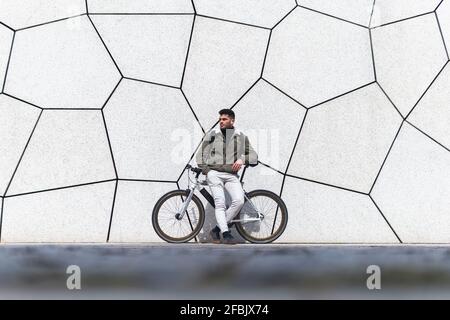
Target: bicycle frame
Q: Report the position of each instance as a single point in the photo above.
(198, 185)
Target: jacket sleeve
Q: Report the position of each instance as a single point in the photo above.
(203, 152)
(250, 157)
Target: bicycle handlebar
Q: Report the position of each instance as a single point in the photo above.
(198, 170)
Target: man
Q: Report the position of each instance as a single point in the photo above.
(221, 155)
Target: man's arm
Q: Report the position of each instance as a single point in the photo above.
(250, 157)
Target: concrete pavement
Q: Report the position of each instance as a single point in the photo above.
(206, 271)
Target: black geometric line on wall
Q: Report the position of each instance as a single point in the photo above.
(87, 6)
(371, 13)
(371, 41)
(265, 55)
(272, 168)
(193, 6)
(231, 21)
(151, 82)
(104, 44)
(426, 90)
(23, 152)
(73, 109)
(190, 159)
(141, 14)
(390, 100)
(282, 19)
(112, 211)
(386, 157)
(437, 7)
(111, 94)
(6, 26)
(195, 116)
(178, 185)
(284, 93)
(341, 95)
(53, 21)
(373, 55)
(192, 110)
(293, 150)
(9, 60)
(229, 107)
(327, 184)
(109, 144)
(428, 136)
(181, 176)
(442, 35)
(1, 217)
(240, 98)
(243, 23)
(59, 188)
(384, 217)
(21, 100)
(330, 99)
(187, 51)
(402, 20)
(334, 17)
(146, 180)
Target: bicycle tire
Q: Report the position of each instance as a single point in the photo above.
(281, 211)
(157, 212)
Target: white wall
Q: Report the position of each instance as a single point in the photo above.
(104, 102)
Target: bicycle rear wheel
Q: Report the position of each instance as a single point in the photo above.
(168, 226)
(273, 223)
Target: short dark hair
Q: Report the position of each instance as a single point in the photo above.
(228, 112)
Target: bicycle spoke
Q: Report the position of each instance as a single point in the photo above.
(170, 205)
(269, 225)
(188, 223)
(266, 204)
(180, 228)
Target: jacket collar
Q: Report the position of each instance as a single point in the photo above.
(235, 131)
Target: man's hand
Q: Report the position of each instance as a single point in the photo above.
(237, 165)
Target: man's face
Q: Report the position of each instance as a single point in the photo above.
(225, 121)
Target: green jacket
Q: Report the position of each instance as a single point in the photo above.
(218, 152)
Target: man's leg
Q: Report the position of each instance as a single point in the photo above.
(234, 189)
(216, 184)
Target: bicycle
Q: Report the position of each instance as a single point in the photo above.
(179, 215)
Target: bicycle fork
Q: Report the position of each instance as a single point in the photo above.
(180, 214)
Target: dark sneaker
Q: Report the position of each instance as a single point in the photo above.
(215, 235)
(227, 238)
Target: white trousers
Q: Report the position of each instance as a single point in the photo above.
(219, 182)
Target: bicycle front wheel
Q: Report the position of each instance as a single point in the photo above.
(272, 223)
(169, 226)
